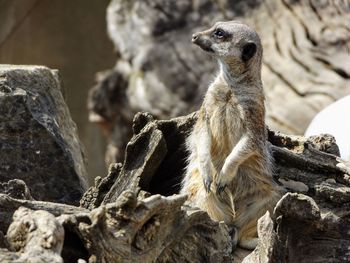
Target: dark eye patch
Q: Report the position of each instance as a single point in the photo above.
(248, 51)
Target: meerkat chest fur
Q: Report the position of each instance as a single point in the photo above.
(225, 107)
(226, 117)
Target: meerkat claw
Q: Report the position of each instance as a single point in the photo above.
(220, 188)
(207, 184)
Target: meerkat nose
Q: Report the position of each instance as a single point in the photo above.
(195, 37)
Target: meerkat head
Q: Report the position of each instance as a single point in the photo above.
(234, 44)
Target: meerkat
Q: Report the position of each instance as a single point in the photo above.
(229, 172)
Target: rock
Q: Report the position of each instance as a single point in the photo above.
(16, 189)
(158, 70)
(38, 139)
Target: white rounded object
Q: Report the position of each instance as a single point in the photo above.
(334, 120)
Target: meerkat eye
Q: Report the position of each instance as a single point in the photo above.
(248, 51)
(219, 33)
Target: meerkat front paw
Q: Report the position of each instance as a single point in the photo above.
(224, 178)
(206, 172)
(221, 183)
(207, 181)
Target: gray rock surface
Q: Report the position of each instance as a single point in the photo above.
(38, 139)
(305, 67)
(16, 189)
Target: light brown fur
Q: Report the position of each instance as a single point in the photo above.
(229, 171)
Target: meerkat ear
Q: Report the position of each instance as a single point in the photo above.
(248, 51)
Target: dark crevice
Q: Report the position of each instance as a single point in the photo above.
(73, 247)
(319, 82)
(337, 8)
(314, 9)
(283, 79)
(341, 73)
(307, 32)
(277, 46)
(300, 63)
(328, 65)
(294, 39)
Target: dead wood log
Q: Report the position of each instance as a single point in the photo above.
(303, 165)
(33, 236)
(9, 205)
(128, 221)
(155, 229)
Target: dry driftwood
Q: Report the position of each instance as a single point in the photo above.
(33, 236)
(126, 220)
(156, 228)
(308, 166)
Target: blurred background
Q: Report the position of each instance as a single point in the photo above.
(67, 35)
(119, 57)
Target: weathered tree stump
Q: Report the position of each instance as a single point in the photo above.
(34, 236)
(124, 219)
(308, 166)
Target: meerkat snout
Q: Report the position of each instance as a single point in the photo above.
(203, 42)
(194, 37)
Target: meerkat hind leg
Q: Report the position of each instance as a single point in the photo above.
(248, 243)
(248, 236)
(204, 157)
(233, 232)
